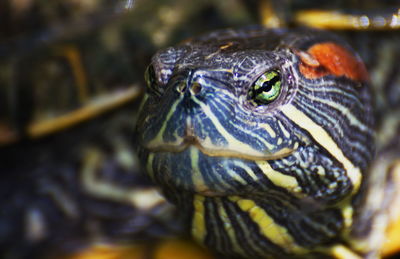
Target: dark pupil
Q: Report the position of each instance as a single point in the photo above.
(267, 86)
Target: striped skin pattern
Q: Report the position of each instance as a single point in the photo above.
(278, 180)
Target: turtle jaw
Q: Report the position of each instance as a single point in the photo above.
(192, 168)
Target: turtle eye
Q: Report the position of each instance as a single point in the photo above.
(266, 88)
(151, 80)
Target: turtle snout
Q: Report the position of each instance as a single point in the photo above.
(191, 85)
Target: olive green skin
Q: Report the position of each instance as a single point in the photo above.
(299, 162)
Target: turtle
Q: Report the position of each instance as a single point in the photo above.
(265, 142)
(80, 185)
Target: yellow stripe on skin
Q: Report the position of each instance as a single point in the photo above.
(247, 168)
(199, 230)
(197, 176)
(284, 131)
(237, 177)
(268, 227)
(277, 178)
(229, 229)
(158, 139)
(323, 139)
(269, 129)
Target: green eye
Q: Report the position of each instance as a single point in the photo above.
(266, 89)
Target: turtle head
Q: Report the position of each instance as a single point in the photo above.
(265, 116)
(234, 102)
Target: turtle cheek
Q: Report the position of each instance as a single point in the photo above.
(193, 172)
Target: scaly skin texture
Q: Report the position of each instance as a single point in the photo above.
(284, 179)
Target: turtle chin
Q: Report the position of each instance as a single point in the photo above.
(194, 171)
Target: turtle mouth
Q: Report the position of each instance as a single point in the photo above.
(212, 150)
(190, 167)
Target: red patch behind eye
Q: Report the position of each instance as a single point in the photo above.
(330, 58)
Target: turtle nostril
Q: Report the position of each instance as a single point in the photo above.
(181, 87)
(195, 88)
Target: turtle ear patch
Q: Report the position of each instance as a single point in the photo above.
(329, 58)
